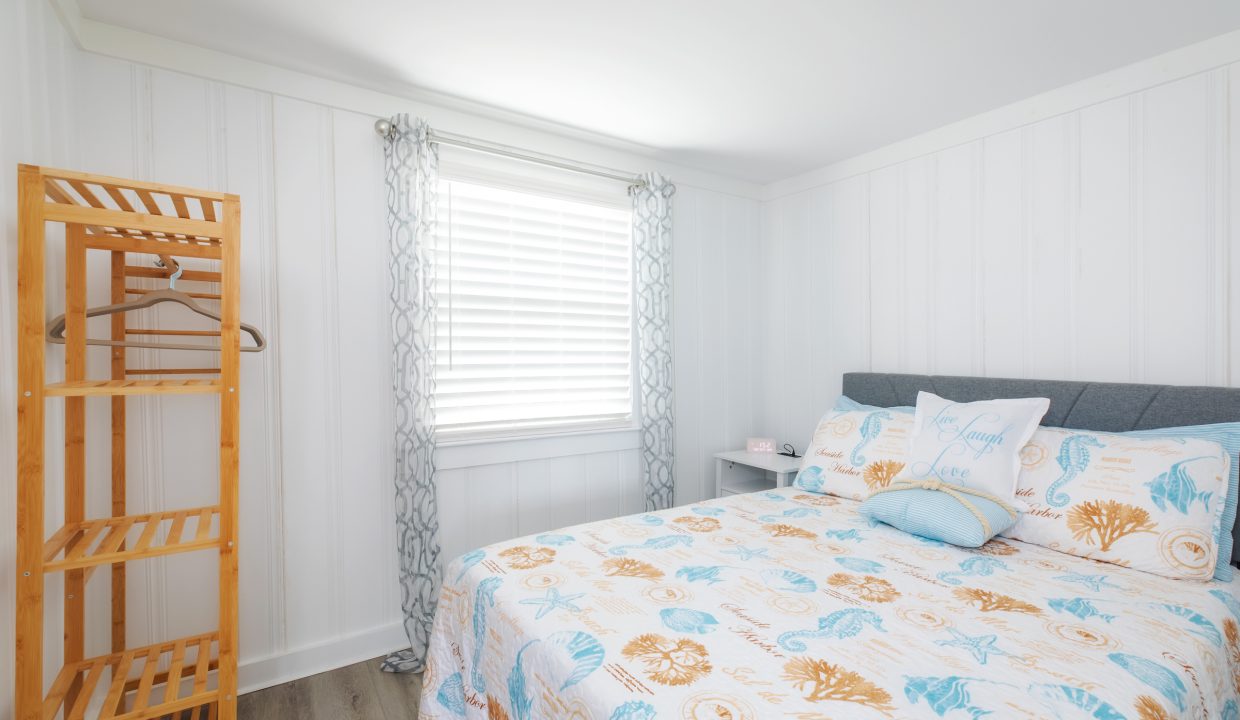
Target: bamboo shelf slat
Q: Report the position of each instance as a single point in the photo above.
(128, 184)
(198, 295)
(175, 371)
(164, 273)
(130, 537)
(132, 387)
(184, 685)
(154, 246)
(125, 223)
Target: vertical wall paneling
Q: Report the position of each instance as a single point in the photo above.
(736, 323)
(1097, 244)
(363, 341)
(304, 246)
(1004, 257)
(1177, 224)
(603, 487)
(489, 516)
(1103, 316)
(767, 318)
(247, 169)
(180, 139)
(1218, 212)
(886, 270)
(915, 235)
(1136, 221)
(713, 361)
(799, 288)
(1232, 221)
(1050, 257)
(821, 322)
(951, 337)
(36, 125)
(717, 273)
(687, 336)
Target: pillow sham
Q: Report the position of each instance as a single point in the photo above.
(976, 444)
(843, 402)
(1150, 503)
(853, 452)
(1227, 435)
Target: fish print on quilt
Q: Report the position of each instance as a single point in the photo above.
(790, 604)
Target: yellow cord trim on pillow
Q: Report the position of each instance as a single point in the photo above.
(959, 492)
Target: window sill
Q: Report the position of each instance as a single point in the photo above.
(472, 452)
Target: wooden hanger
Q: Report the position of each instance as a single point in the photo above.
(56, 328)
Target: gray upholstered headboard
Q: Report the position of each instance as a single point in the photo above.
(1106, 407)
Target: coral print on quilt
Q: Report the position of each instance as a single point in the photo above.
(789, 604)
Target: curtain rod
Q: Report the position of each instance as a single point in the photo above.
(384, 128)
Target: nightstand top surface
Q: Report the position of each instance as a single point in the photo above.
(762, 461)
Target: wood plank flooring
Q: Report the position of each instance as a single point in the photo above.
(354, 692)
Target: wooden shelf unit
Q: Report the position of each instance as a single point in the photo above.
(189, 677)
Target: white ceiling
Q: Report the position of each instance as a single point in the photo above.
(759, 90)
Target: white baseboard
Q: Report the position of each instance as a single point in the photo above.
(313, 659)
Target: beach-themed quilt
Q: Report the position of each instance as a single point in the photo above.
(787, 604)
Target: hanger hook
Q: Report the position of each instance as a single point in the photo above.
(172, 281)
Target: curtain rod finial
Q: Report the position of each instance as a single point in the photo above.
(383, 126)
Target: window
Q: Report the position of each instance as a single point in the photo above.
(534, 300)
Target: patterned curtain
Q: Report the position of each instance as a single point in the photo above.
(412, 165)
(652, 241)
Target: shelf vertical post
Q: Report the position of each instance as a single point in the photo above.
(230, 391)
(75, 443)
(118, 447)
(28, 675)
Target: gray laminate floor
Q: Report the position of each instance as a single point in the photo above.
(355, 692)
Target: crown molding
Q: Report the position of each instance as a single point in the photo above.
(1143, 75)
(452, 114)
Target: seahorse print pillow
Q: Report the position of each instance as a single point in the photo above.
(853, 453)
(1152, 504)
(976, 445)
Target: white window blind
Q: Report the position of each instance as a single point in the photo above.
(533, 323)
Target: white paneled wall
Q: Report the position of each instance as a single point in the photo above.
(318, 559)
(36, 121)
(1097, 244)
(715, 321)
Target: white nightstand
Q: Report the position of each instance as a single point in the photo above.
(738, 471)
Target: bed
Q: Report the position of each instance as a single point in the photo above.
(791, 604)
